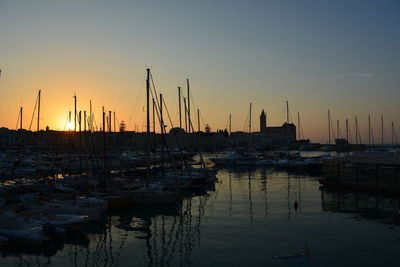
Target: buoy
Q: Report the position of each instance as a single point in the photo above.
(296, 205)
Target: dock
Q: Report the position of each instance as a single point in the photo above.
(378, 172)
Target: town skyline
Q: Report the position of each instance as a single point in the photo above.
(266, 53)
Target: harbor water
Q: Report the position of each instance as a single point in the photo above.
(245, 220)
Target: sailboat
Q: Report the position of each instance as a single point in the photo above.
(151, 193)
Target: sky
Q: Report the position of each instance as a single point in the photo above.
(340, 55)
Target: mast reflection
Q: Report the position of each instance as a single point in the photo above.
(362, 205)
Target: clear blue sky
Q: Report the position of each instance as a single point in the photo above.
(341, 55)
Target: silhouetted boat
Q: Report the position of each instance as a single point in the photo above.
(235, 158)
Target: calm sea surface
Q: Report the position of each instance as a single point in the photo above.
(248, 218)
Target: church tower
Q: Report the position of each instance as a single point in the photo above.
(263, 122)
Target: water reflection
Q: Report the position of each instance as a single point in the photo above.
(362, 205)
(245, 219)
(170, 233)
(263, 188)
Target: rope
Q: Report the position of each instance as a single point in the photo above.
(16, 126)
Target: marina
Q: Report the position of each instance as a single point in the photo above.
(199, 133)
(57, 187)
(253, 210)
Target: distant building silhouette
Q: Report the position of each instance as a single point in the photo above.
(285, 132)
(263, 122)
(122, 127)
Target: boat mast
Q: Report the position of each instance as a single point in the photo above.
(250, 119)
(91, 117)
(198, 120)
(148, 120)
(38, 119)
(369, 130)
(287, 111)
(84, 120)
(356, 129)
(79, 120)
(186, 122)
(69, 120)
(154, 130)
(230, 124)
(329, 127)
(392, 133)
(20, 115)
(347, 130)
(75, 114)
(162, 132)
(115, 126)
(298, 125)
(382, 128)
(104, 140)
(109, 120)
(180, 108)
(188, 103)
(80, 140)
(154, 120)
